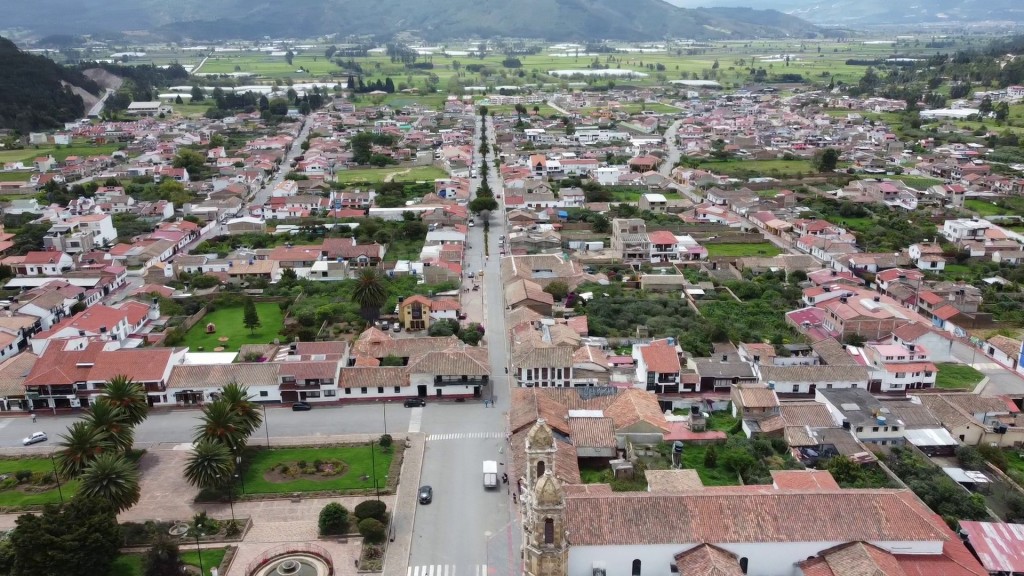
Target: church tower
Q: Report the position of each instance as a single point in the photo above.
(545, 549)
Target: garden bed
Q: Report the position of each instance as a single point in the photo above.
(322, 470)
(27, 483)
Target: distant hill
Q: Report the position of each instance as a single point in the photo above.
(38, 93)
(437, 20)
(873, 12)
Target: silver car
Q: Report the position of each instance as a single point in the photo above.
(34, 438)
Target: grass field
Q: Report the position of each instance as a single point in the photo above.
(15, 176)
(357, 458)
(372, 175)
(28, 154)
(759, 168)
(131, 564)
(38, 466)
(765, 249)
(985, 207)
(917, 182)
(229, 324)
(953, 375)
(693, 457)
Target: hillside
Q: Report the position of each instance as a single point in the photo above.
(445, 19)
(37, 93)
(876, 12)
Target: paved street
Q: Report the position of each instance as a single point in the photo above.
(466, 530)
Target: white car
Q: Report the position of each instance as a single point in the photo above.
(34, 438)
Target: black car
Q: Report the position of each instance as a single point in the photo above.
(426, 494)
(414, 402)
(301, 407)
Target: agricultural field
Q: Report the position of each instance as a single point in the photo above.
(60, 153)
(757, 168)
(762, 249)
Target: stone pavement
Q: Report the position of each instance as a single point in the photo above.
(167, 496)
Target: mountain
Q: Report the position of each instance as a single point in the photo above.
(874, 12)
(438, 20)
(37, 92)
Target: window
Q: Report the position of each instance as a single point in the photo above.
(743, 565)
(860, 428)
(540, 468)
(330, 393)
(348, 390)
(549, 531)
(901, 374)
(874, 428)
(796, 387)
(363, 390)
(380, 389)
(636, 567)
(313, 394)
(264, 393)
(895, 428)
(398, 389)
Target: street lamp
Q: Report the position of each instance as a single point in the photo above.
(373, 466)
(199, 551)
(231, 498)
(238, 472)
(266, 424)
(56, 477)
(384, 404)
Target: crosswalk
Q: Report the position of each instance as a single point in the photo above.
(464, 436)
(448, 570)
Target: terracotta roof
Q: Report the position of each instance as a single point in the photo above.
(566, 463)
(756, 396)
(93, 364)
(1006, 345)
(812, 414)
(804, 480)
(531, 404)
(633, 406)
(309, 370)
(202, 376)
(373, 377)
(673, 481)
(13, 372)
(817, 374)
(912, 331)
(708, 560)
(592, 432)
(945, 312)
(521, 290)
(853, 559)
(376, 344)
(458, 360)
(660, 357)
(833, 353)
(722, 516)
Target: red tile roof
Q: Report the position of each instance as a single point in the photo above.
(93, 364)
(660, 358)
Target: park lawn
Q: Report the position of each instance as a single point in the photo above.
(358, 459)
(765, 249)
(954, 375)
(985, 208)
(374, 175)
(212, 558)
(759, 167)
(15, 497)
(126, 565)
(229, 324)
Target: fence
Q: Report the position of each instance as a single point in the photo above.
(286, 549)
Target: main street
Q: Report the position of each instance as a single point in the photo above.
(467, 530)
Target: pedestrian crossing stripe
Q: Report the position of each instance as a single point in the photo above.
(465, 436)
(448, 570)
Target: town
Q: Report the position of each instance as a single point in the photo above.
(746, 321)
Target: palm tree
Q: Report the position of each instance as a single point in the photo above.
(80, 446)
(128, 395)
(222, 424)
(113, 421)
(237, 396)
(113, 478)
(209, 464)
(370, 294)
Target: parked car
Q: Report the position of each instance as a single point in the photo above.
(426, 494)
(301, 407)
(396, 327)
(34, 438)
(414, 402)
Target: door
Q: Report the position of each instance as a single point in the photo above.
(421, 391)
(476, 391)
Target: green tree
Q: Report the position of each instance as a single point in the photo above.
(221, 423)
(111, 478)
(333, 519)
(558, 290)
(80, 538)
(162, 559)
(373, 531)
(113, 423)
(826, 160)
(289, 56)
(250, 318)
(371, 509)
(198, 95)
(482, 205)
(190, 160)
(209, 464)
(78, 447)
(128, 395)
(248, 412)
(370, 293)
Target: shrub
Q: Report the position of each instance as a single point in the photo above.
(371, 509)
(970, 458)
(333, 519)
(301, 464)
(284, 468)
(232, 529)
(385, 441)
(23, 476)
(711, 457)
(317, 463)
(372, 530)
(994, 455)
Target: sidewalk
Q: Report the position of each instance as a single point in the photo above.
(403, 518)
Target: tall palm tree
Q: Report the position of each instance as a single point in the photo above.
(112, 478)
(128, 395)
(370, 294)
(80, 446)
(237, 396)
(113, 421)
(222, 424)
(209, 464)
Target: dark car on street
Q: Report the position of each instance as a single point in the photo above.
(426, 494)
(414, 402)
(301, 407)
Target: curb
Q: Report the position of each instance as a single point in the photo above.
(394, 565)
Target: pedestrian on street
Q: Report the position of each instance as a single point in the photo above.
(33, 417)
(513, 497)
